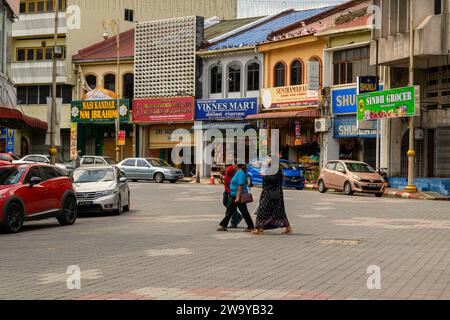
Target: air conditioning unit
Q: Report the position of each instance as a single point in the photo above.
(322, 125)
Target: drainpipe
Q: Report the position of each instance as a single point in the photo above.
(444, 23)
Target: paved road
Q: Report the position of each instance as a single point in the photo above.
(167, 248)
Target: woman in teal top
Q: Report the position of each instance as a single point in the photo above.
(238, 187)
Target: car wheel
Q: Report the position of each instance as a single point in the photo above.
(322, 188)
(378, 195)
(348, 189)
(159, 177)
(173, 181)
(119, 209)
(127, 207)
(68, 214)
(13, 218)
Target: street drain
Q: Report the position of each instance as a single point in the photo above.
(342, 242)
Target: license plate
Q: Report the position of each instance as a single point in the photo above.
(374, 185)
(85, 203)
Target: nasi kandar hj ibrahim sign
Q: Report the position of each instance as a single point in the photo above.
(85, 111)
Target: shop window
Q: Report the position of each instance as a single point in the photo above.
(37, 54)
(33, 94)
(253, 77)
(296, 73)
(234, 78)
(350, 64)
(437, 6)
(39, 94)
(44, 93)
(91, 81)
(216, 80)
(128, 86)
(110, 82)
(41, 6)
(129, 15)
(280, 74)
(21, 95)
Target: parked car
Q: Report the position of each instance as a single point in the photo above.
(350, 177)
(40, 158)
(33, 192)
(97, 160)
(5, 159)
(150, 169)
(101, 189)
(293, 174)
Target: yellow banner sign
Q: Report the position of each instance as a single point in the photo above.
(289, 97)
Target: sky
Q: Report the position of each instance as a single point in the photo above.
(255, 8)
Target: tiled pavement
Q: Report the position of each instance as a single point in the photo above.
(167, 248)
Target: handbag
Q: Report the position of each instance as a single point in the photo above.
(247, 197)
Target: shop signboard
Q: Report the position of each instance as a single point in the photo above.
(73, 140)
(163, 110)
(121, 137)
(219, 109)
(346, 127)
(344, 99)
(289, 97)
(99, 111)
(7, 140)
(394, 103)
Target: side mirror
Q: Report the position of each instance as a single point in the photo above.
(35, 181)
(123, 180)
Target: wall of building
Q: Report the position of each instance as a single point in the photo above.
(225, 61)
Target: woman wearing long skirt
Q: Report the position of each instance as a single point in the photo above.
(271, 213)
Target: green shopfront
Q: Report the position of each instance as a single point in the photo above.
(95, 132)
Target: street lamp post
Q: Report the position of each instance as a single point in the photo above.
(114, 27)
(411, 188)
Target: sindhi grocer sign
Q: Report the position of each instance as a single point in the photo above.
(85, 111)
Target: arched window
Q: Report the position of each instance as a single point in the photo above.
(234, 78)
(280, 74)
(91, 81)
(296, 73)
(128, 86)
(318, 62)
(253, 77)
(216, 80)
(110, 82)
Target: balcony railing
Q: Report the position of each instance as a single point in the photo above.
(38, 72)
(39, 24)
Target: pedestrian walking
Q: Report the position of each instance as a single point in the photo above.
(271, 213)
(239, 198)
(236, 218)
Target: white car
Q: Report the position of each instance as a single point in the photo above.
(40, 158)
(101, 189)
(97, 160)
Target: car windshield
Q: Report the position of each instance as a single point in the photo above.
(359, 167)
(10, 176)
(93, 175)
(287, 165)
(110, 161)
(158, 163)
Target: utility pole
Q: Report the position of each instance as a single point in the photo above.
(53, 151)
(118, 92)
(411, 188)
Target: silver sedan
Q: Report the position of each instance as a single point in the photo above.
(150, 169)
(101, 188)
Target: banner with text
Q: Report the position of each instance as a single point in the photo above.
(218, 109)
(105, 111)
(178, 109)
(289, 97)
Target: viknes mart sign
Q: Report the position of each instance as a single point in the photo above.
(395, 103)
(86, 111)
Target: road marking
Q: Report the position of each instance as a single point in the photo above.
(48, 278)
(310, 216)
(168, 252)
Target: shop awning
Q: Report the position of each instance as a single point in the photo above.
(310, 113)
(14, 119)
(224, 126)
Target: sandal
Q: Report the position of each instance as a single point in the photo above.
(222, 229)
(288, 230)
(258, 232)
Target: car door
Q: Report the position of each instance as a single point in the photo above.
(34, 197)
(144, 170)
(129, 168)
(339, 176)
(123, 186)
(52, 180)
(328, 176)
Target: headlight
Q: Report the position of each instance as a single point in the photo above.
(356, 178)
(108, 192)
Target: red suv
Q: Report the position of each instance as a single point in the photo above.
(34, 192)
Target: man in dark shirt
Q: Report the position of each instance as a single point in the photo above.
(236, 218)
